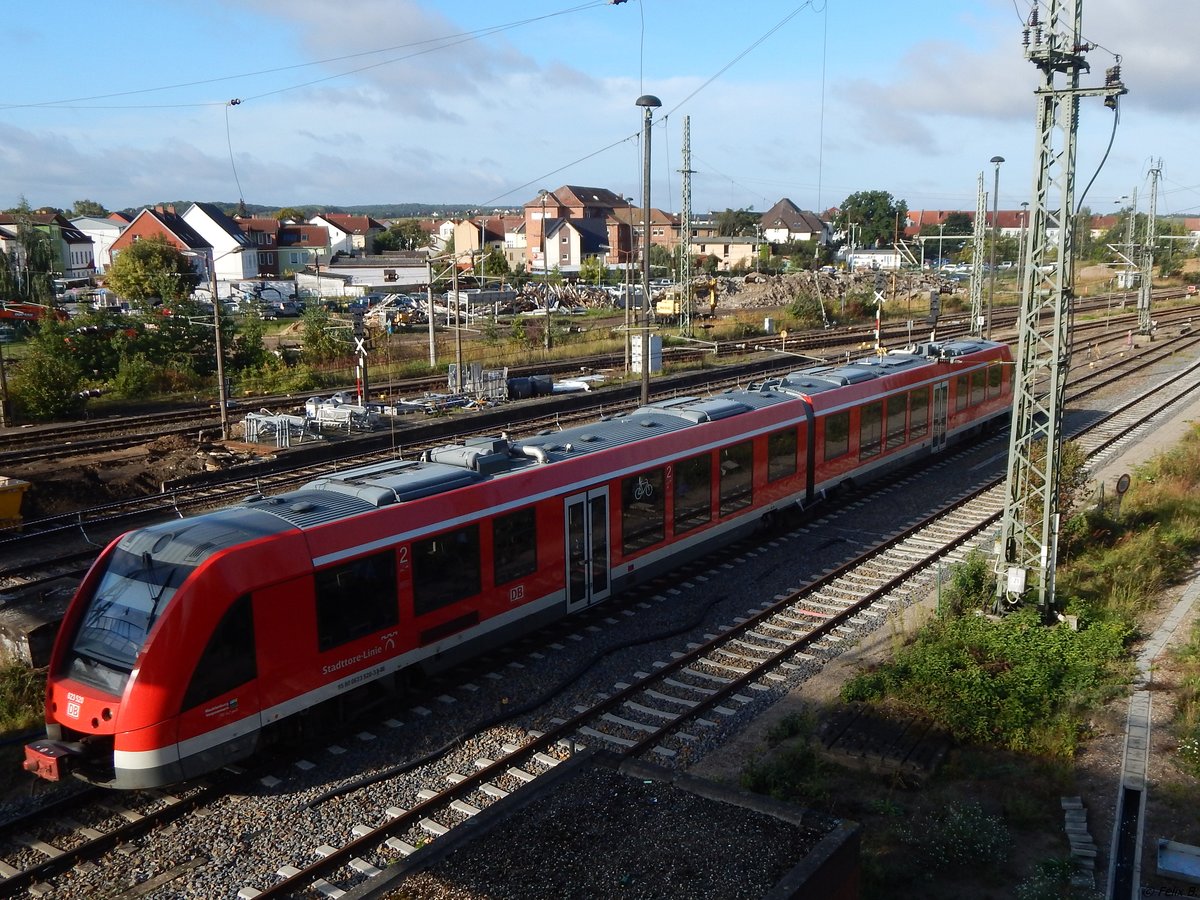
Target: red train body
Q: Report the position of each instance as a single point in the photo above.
(192, 643)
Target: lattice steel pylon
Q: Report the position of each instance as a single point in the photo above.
(685, 249)
(976, 329)
(1029, 529)
(1146, 288)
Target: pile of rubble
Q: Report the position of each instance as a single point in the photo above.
(754, 291)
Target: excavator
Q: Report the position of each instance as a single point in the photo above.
(703, 301)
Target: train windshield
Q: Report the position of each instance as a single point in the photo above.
(133, 592)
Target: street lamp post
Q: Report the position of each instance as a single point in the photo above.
(995, 160)
(543, 194)
(629, 289)
(602, 258)
(649, 103)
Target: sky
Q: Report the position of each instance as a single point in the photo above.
(429, 101)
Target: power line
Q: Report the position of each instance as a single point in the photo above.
(441, 42)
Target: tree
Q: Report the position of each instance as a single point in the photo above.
(875, 215)
(318, 338)
(495, 264)
(291, 213)
(736, 222)
(589, 270)
(248, 349)
(38, 263)
(661, 258)
(88, 208)
(152, 269)
(406, 235)
(47, 384)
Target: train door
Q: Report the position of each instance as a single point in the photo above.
(587, 548)
(941, 398)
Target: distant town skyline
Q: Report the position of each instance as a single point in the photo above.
(400, 101)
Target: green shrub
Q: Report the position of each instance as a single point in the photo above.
(136, 378)
(794, 774)
(1014, 682)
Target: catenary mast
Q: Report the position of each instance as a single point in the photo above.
(1029, 529)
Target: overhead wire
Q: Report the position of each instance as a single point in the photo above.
(442, 42)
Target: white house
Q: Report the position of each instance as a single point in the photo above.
(352, 235)
(103, 231)
(232, 258)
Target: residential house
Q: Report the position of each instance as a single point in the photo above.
(11, 247)
(284, 248)
(348, 234)
(103, 230)
(72, 248)
(570, 241)
(166, 223)
(577, 203)
(730, 252)
(786, 223)
(233, 256)
(488, 233)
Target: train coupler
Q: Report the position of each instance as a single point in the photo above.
(49, 759)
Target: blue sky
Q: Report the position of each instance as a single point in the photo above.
(387, 101)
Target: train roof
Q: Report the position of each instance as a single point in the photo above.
(360, 490)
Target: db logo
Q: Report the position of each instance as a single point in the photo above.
(517, 594)
(73, 710)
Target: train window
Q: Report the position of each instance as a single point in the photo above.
(356, 598)
(445, 569)
(837, 435)
(978, 386)
(737, 477)
(514, 545)
(693, 493)
(643, 511)
(897, 417)
(995, 378)
(918, 413)
(870, 430)
(961, 392)
(228, 660)
(781, 454)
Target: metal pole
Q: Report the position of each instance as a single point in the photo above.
(221, 398)
(458, 360)
(429, 313)
(649, 102)
(996, 160)
(545, 277)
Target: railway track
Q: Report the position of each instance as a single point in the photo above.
(733, 672)
(665, 704)
(94, 526)
(63, 440)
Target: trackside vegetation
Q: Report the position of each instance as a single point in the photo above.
(1016, 693)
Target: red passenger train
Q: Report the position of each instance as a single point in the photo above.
(193, 643)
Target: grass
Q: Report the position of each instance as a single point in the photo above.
(1017, 693)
